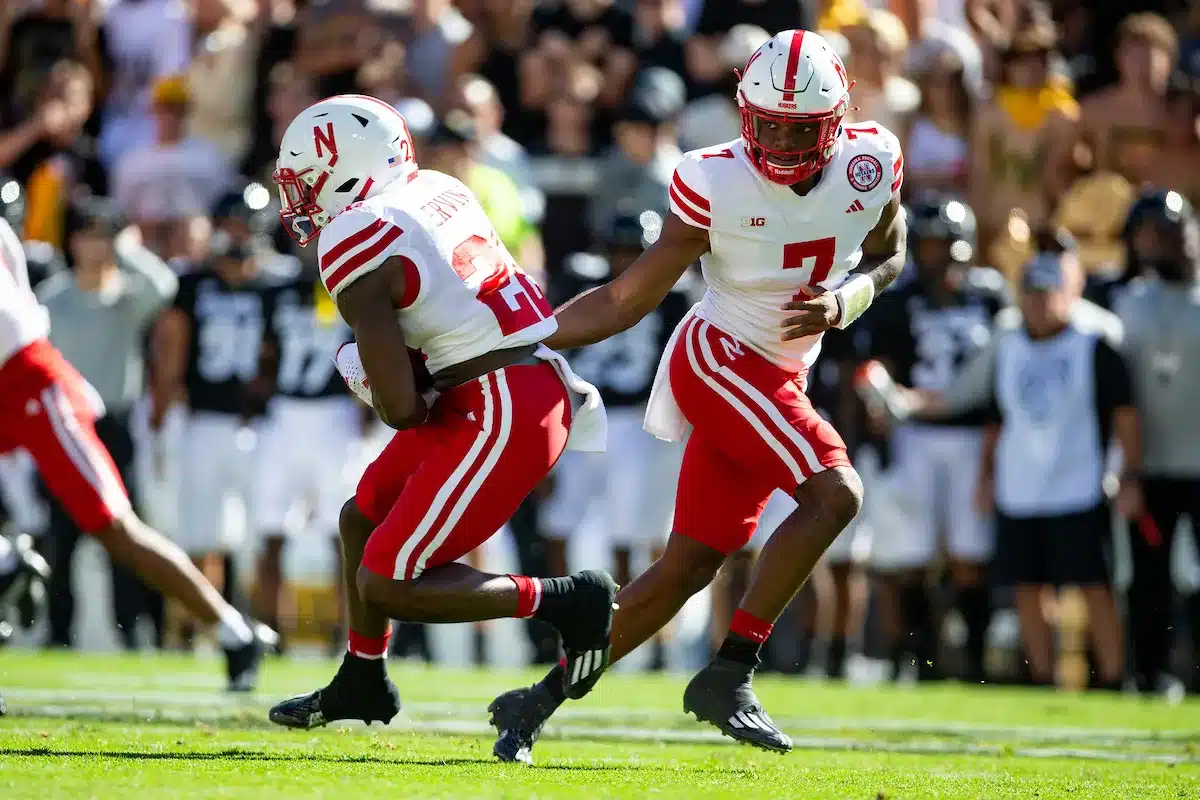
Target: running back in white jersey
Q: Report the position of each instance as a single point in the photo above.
(465, 295)
(22, 318)
(769, 245)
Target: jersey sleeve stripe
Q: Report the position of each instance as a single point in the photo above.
(898, 173)
(695, 197)
(349, 243)
(686, 212)
(361, 258)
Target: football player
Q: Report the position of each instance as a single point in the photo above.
(926, 331)
(797, 225)
(49, 410)
(412, 261)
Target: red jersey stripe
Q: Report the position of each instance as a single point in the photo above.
(697, 199)
(349, 243)
(361, 257)
(686, 210)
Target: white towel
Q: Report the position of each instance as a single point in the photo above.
(664, 420)
(589, 422)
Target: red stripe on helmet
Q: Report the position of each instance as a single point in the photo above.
(793, 66)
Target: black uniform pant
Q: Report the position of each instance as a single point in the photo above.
(1151, 596)
(130, 597)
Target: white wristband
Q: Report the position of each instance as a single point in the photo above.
(853, 298)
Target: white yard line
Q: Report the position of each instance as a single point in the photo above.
(627, 734)
(176, 706)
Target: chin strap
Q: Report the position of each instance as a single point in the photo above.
(853, 298)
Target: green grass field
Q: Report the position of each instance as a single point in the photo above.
(98, 726)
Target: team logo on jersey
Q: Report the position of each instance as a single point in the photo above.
(753, 222)
(864, 172)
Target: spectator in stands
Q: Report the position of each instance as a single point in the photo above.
(1021, 145)
(659, 37)
(100, 313)
(49, 152)
(290, 91)
(32, 41)
(937, 149)
(495, 50)
(714, 117)
(144, 41)
(1127, 125)
(1161, 314)
(882, 94)
(333, 40)
(636, 173)
(600, 33)
(718, 17)
(176, 177)
(436, 30)
(1178, 162)
(219, 81)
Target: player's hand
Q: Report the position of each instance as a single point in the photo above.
(1130, 502)
(816, 314)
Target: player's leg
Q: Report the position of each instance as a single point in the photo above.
(286, 457)
(1078, 553)
(720, 505)
(970, 542)
(79, 472)
(1021, 563)
(1151, 590)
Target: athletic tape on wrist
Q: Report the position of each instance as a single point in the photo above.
(854, 298)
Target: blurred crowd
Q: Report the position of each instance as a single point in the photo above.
(138, 138)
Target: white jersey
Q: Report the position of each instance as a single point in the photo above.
(464, 294)
(768, 244)
(22, 319)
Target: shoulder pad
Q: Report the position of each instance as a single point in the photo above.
(355, 242)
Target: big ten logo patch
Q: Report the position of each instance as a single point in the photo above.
(754, 222)
(864, 172)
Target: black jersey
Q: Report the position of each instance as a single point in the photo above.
(306, 331)
(926, 341)
(622, 367)
(227, 325)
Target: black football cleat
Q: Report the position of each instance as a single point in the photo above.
(361, 689)
(722, 694)
(586, 637)
(241, 663)
(518, 717)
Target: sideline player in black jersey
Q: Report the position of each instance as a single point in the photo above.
(925, 332)
(625, 494)
(308, 440)
(207, 356)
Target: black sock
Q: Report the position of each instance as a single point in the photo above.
(835, 658)
(556, 606)
(918, 623)
(975, 606)
(553, 683)
(740, 649)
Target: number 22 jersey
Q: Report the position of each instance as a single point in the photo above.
(769, 245)
(464, 294)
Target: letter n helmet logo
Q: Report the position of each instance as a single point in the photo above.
(325, 138)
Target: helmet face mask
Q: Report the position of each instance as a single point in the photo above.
(792, 98)
(300, 212)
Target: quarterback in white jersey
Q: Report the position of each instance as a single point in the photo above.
(438, 309)
(49, 410)
(797, 226)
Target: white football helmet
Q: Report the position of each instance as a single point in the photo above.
(339, 151)
(795, 87)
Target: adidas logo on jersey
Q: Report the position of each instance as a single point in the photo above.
(855, 206)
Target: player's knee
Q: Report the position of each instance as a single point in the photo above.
(353, 525)
(838, 492)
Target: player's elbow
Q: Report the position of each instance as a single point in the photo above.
(402, 414)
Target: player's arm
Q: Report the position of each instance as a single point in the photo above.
(169, 354)
(883, 259)
(369, 307)
(619, 304)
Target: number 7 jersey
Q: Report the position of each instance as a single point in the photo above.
(769, 245)
(464, 294)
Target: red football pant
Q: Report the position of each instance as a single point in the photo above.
(754, 431)
(439, 491)
(44, 408)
